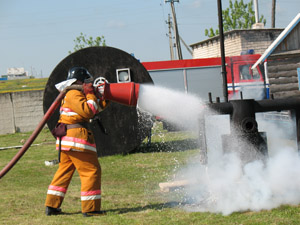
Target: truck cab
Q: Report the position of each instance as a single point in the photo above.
(245, 82)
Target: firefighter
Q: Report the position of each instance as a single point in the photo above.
(78, 148)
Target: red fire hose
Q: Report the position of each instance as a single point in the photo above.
(40, 126)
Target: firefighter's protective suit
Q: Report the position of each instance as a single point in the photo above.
(78, 152)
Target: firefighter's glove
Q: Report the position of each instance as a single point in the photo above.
(100, 91)
(88, 88)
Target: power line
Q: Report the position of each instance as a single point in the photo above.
(177, 41)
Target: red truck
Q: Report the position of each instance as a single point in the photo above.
(201, 76)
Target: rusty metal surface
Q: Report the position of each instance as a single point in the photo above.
(124, 129)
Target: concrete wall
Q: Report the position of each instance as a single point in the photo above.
(20, 111)
(236, 41)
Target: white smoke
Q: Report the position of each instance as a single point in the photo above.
(226, 184)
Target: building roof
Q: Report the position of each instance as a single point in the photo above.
(278, 40)
(233, 32)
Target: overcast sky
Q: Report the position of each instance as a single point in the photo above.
(37, 34)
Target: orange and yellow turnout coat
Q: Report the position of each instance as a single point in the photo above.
(78, 152)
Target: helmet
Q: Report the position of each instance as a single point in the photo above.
(80, 73)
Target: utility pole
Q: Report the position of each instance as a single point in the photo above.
(177, 41)
(187, 47)
(170, 37)
(273, 13)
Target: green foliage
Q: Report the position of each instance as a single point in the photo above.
(238, 15)
(211, 32)
(82, 41)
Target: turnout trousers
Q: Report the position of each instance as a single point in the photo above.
(88, 167)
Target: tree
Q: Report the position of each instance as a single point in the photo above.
(83, 41)
(238, 15)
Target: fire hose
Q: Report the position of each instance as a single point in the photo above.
(123, 93)
(38, 129)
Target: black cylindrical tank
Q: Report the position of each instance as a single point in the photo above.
(119, 128)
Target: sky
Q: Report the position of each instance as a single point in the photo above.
(37, 35)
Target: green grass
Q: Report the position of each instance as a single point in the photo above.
(130, 191)
(22, 85)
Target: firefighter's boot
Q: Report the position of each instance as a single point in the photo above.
(52, 211)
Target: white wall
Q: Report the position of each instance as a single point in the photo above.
(20, 111)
